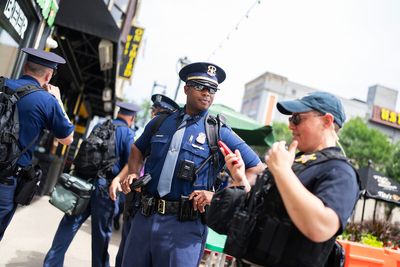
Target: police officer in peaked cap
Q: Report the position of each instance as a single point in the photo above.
(168, 230)
(40, 108)
(162, 103)
(102, 208)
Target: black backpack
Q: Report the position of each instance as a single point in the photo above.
(10, 149)
(96, 155)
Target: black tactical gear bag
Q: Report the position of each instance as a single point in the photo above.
(29, 179)
(96, 155)
(10, 149)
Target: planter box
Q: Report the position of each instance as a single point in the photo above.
(360, 255)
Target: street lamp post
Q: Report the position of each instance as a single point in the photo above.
(182, 62)
(155, 84)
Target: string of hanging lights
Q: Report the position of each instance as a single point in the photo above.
(236, 28)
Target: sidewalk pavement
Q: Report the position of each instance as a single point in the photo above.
(31, 231)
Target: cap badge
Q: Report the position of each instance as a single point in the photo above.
(158, 98)
(201, 138)
(212, 70)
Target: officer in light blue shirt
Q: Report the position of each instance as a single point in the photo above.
(168, 231)
(101, 207)
(37, 110)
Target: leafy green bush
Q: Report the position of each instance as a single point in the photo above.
(371, 240)
(377, 234)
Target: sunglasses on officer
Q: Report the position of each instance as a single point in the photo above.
(297, 118)
(199, 87)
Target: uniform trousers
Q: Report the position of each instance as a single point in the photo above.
(162, 240)
(125, 231)
(7, 206)
(101, 210)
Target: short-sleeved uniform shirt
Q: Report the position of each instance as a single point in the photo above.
(37, 111)
(194, 147)
(124, 137)
(335, 183)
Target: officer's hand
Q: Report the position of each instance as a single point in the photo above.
(115, 187)
(279, 158)
(128, 181)
(54, 90)
(201, 198)
(235, 165)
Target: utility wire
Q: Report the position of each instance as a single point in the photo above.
(236, 28)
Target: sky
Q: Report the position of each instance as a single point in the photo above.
(340, 46)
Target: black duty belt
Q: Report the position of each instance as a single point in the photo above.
(151, 205)
(166, 207)
(7, 181)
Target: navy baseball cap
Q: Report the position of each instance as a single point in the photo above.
(319, 101)
(203, 73)
(129, 109)
(44, 58)
(164, 102)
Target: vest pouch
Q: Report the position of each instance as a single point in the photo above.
(241, 226)
(223, 207)
(71, 194)
(28, 184)
(268, 241)
(277, 239)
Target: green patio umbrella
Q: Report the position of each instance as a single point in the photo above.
(252, 132)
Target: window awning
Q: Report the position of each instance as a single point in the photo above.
(88, 16)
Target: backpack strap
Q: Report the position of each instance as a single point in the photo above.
(213, 127)
(18, 94)
(26, 90)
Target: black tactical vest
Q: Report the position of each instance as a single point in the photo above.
(275, 241)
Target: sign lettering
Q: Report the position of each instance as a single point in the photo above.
(130, 51)
(16, 17)
(386, 117)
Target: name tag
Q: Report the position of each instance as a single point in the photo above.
(198, 147)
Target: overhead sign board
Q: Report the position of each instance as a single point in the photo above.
(130, 51)
(386, 116)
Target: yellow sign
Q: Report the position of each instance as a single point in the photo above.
(130, 51)
(386, 116)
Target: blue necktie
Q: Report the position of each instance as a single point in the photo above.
(167, 172)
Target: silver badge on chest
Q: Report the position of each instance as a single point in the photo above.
(201, 138)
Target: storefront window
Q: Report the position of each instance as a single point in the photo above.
(8, 53)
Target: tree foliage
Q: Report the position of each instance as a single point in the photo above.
(281, 132)
(362, 143)
(393, 166)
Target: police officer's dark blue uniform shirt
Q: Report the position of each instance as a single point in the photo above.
(194, 147)
(37, 110)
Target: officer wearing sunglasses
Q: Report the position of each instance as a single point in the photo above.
(168, 230)
(313, 193)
